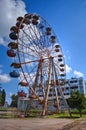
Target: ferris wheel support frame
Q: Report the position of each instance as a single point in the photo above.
(48, 88)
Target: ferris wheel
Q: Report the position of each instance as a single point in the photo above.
(38, 59)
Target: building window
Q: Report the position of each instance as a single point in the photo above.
(73, 81)
(80, 82)
(66, 94)
(81, 88)
(74, 87)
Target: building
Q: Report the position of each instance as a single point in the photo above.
(75, 84)
(72, 85)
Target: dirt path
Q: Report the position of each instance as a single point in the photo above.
(77, 125)
(33, 124)
(42, 124)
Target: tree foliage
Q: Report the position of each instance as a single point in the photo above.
(2, 97)
(77, 100)
(14, 100)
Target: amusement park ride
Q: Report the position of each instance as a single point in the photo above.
(38, 61)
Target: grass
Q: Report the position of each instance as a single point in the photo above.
(3, 109)
(11, 113)
(74, 114)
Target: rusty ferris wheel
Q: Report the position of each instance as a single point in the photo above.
(39, 60)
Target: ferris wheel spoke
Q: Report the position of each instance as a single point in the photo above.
(28, 47)
(25, 45)
(43, 39)
(29, 37)
(33, 42)
(38, 42)
(38, 60)
(30, 62)
(27, 53)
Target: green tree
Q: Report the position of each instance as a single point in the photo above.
(14, 100)
(0, 99)
(77, 100)
(3, 97)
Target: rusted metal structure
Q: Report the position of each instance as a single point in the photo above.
(38, 59)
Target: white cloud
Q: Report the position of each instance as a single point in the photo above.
(68, 55)
(9, 11)
(78, 74)
(1, 40)
(10, 94)
(4, 78)
(68, 69)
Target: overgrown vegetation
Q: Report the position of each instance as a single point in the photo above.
(14, 99)
(77, 101)
(2, 97)
(14, 113)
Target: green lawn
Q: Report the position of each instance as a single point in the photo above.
(12, 113)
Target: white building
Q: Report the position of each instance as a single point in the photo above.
(75, 84)
(72, 85)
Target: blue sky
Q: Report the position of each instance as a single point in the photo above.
(66, 17)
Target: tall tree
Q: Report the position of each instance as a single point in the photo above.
(14, 100)
(77, 100)
(3, 97)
